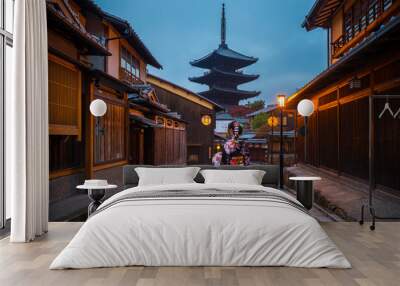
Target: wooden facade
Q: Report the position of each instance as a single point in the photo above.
(93, 56)
(192, 107)
(346, 134)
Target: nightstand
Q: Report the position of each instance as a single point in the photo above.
(305, 190)
(96, 195)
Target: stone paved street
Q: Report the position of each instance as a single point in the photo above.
(344, 196)
(318, 212)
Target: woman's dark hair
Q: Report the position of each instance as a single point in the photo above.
(235, 124)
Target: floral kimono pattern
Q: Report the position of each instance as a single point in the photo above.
(234, 153)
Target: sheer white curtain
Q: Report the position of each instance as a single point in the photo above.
(27, 124)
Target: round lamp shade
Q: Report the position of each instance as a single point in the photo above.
(206, 120)
(305, 107)
(98, 107)
(273, 121)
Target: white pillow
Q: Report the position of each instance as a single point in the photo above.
(246, 177)
(166, 176)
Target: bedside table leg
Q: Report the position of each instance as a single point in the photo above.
(96, 197)
(305, 193)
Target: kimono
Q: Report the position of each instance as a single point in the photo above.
(234, 153)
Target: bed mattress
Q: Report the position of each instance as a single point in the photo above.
(201, 225)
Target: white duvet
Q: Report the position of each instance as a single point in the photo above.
(200, 232)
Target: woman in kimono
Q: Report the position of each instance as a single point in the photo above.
(234, 152)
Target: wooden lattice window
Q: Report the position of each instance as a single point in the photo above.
(64, 98)
(130, 67)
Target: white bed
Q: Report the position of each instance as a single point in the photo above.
(200, 231)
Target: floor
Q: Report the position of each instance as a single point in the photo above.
(375, 257)
(344, 195)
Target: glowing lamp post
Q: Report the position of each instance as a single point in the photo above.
(305, 109)
(281, 103)
(98, 108)
(281, 100)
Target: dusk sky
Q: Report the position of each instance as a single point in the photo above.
(178, 31)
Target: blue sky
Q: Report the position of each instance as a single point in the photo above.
(178, 31)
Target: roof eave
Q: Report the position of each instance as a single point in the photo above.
(239, 93)
(135, 40)
(204, 61)
(207, 79)
(308, 23)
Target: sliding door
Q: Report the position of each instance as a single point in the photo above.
(6, 65)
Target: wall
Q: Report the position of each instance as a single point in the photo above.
(113, 61)
(199, 137)
(336, 31)
(337, 25)
(58, 42)
(63, 187)
(112, 175)
(170, 146)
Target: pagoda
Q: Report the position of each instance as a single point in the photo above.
(225, 73)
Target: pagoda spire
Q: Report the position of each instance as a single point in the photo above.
(225, 72)
(223, 27)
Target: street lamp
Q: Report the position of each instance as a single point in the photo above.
(281, 104)
(98, 108)
(305, 109)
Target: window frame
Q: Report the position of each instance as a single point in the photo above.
(6, 39)
(132, 64)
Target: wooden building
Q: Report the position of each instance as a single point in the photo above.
(199, 113)
(95, 55)
(347, 133)
(157, 135)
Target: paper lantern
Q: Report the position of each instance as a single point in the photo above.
(98, 108)
(206, 120)
(305, 107)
